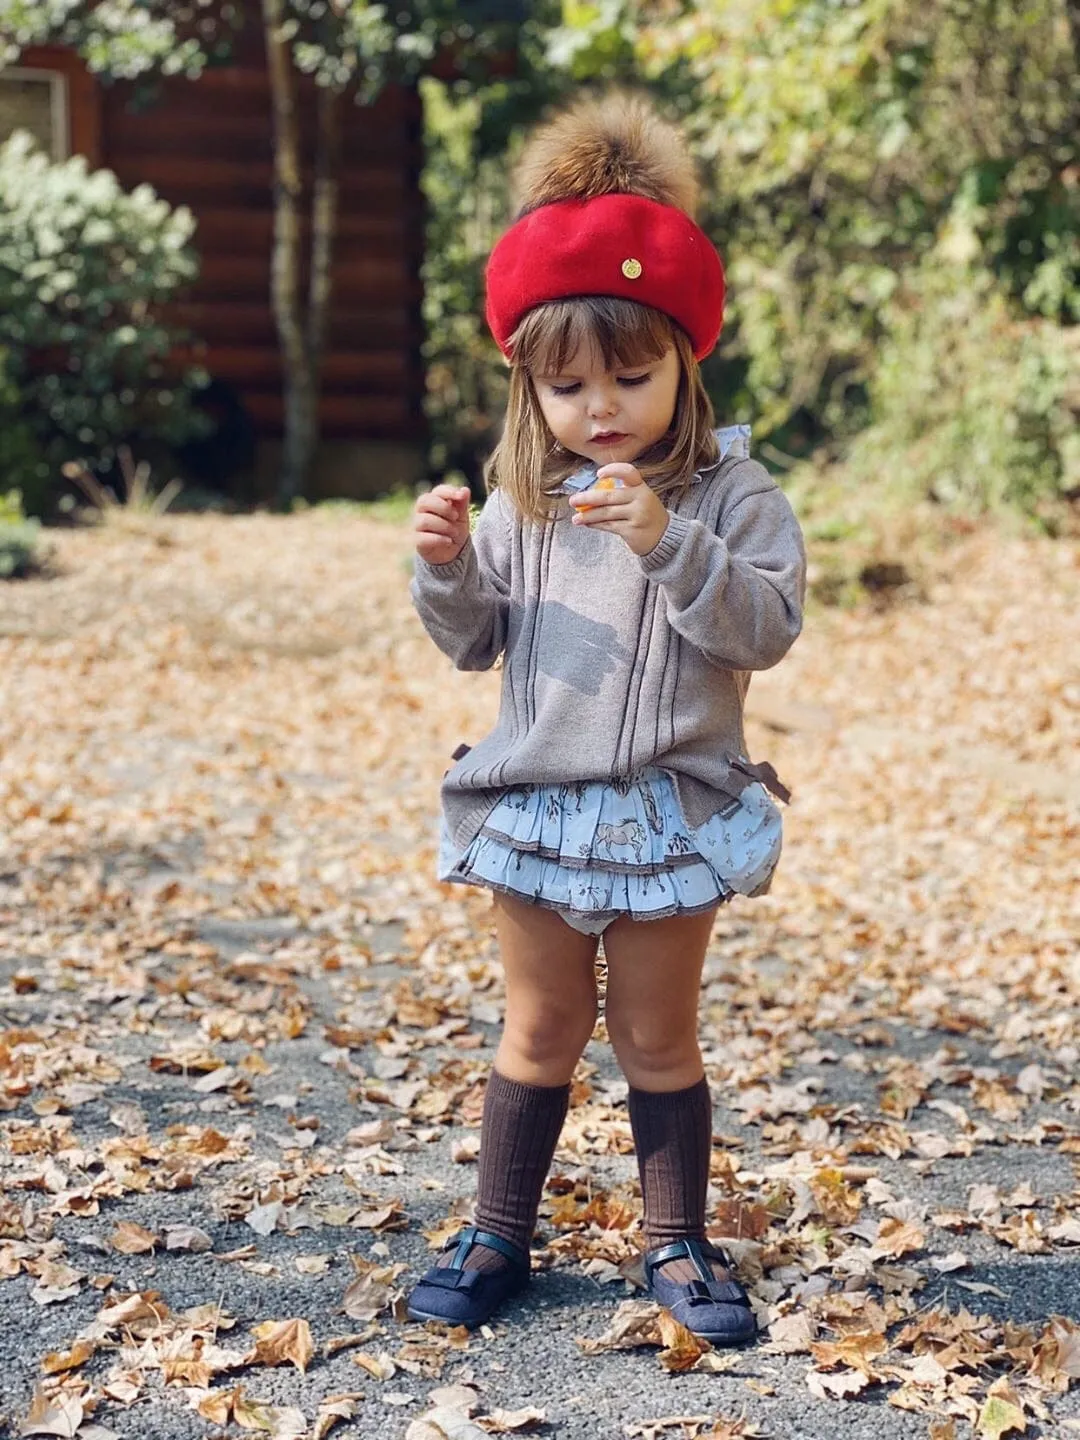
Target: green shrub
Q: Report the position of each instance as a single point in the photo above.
(21, 458)
(18, 537)
(83, 266)
(467, 207)
(977, 415)
(846, 142)
(977, 410)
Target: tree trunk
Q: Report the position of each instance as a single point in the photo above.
(299, 381)
(324, 209)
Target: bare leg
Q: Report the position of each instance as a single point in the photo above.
(550, 993)
(654, 981)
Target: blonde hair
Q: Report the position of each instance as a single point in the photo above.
(530, 465)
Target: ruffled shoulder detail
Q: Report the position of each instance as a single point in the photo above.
(734, 440)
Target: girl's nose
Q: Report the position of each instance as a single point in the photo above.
(603, 401)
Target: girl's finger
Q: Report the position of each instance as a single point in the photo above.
(621, 470)
(434, 525)
(600, 499)
(595, 522)
(432, 504)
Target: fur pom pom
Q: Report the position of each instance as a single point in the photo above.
(617, 144)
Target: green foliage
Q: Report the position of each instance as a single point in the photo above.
(123, 38)
(350, 46)
(21, 457)
(82, 266)
(975, 408)
(849, 141)
(466, 386)
(595, 38)
(18, 537)
(345, 44)
(872, 165)
(975, 413)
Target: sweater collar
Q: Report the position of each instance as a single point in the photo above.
(732, 439)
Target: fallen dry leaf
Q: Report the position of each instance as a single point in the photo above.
(58, 1361)
(836, 1387)
(187, 1237)
(500, 1422)
(279, 1422)
(682, 1348)
(333, 1409)
(131, 1239)
(283, 1342)
(1001, 1414)
(56, 1415)
(312, 1264)
(380, 1367)
(444, 1423)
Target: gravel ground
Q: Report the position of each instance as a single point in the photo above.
(218, 789)
(532, 1357)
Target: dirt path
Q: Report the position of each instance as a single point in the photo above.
(245, 1034)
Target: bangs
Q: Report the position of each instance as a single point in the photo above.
(622, 332)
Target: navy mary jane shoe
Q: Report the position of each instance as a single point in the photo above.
(717, 1310)
(457, 1296)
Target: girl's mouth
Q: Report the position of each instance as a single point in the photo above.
(611, 437)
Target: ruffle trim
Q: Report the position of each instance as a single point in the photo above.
(602, 916)
(601, 849)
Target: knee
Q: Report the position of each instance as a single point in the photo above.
(541, 1034)
(649, 1054)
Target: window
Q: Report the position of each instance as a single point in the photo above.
(36, 100)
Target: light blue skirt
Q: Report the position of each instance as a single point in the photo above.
(596, 850)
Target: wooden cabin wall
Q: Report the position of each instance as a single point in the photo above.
(208, 144)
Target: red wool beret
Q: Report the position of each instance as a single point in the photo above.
(615, 244)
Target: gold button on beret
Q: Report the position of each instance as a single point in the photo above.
(631, 269)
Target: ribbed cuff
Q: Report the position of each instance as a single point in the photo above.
(452, 570)
(665, 1101)
(668, 546)
(520, 1092)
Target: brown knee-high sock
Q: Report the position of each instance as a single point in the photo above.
(673, 1138)
(519, 1132)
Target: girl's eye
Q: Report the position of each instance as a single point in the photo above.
(630, 380)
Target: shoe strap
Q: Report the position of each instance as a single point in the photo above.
(446, 1279)
(465, 1239)
(696, 1250)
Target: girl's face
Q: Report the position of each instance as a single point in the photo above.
(607, 415)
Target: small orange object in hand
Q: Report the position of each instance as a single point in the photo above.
(609, 482)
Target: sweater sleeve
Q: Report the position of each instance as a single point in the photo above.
(464, 605)
(736, 595)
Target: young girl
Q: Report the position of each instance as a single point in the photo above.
(631, 566)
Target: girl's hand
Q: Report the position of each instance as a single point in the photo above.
(441, 523)
(633, 512)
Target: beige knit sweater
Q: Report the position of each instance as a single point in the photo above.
(615, 661)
